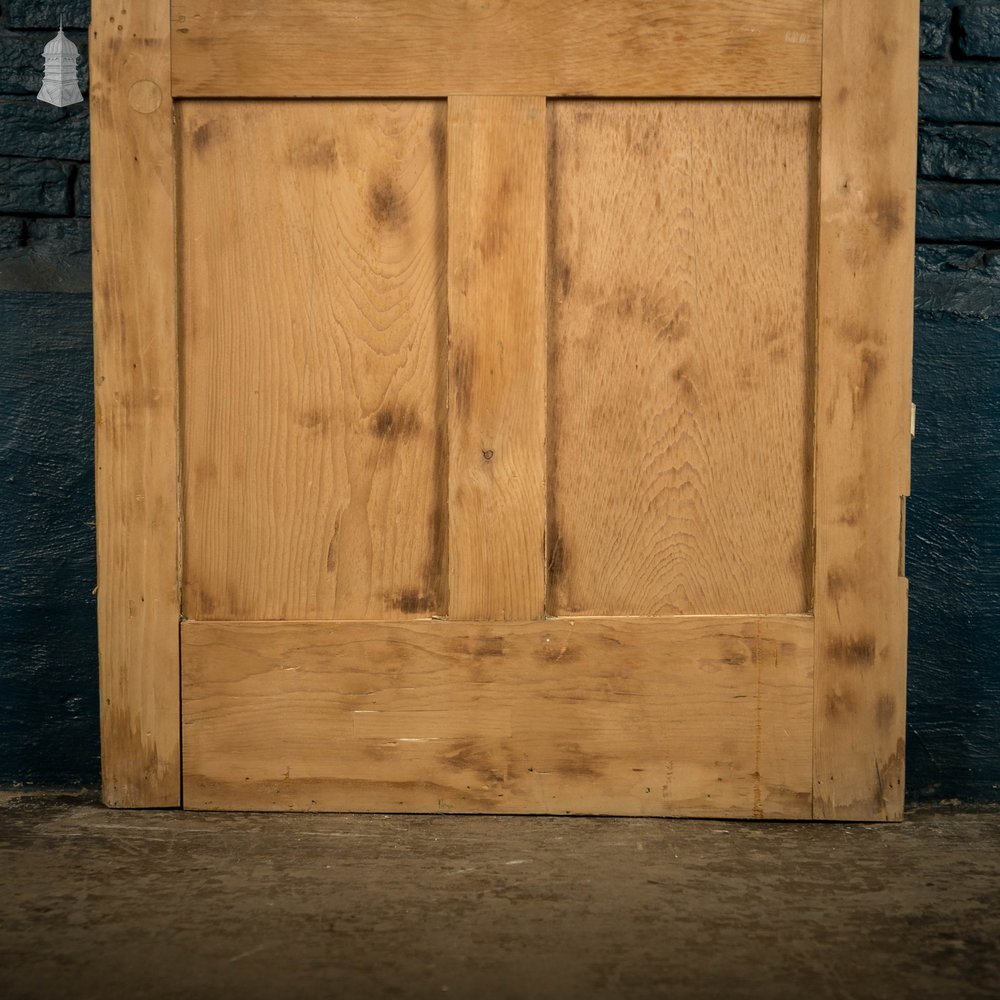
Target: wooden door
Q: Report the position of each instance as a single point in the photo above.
(504, 407)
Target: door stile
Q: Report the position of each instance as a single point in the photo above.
(135, 368)
(496, 357)
(865, 301)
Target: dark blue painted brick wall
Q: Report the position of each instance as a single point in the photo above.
(48, 647)
(953, 529)
(48, 673)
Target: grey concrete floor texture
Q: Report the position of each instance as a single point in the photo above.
(102, 903)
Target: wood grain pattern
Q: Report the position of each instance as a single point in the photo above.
(496, 419)
(314, 322)
(402, 48)
(681, 356)
(863, 404)
(135, 373)
(683, 716)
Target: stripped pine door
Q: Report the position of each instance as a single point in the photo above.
(504, 407)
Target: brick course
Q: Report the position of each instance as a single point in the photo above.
(978, 32)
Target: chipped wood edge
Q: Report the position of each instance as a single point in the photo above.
(135, 369)
(864, 346)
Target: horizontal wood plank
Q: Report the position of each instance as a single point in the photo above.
(407, 48)
(701, 716)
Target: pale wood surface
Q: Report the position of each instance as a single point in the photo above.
(496, 418)
(135, 373)
(425, 48)
(863, 404)
(681, 350)
(313, 256)
(680, 716)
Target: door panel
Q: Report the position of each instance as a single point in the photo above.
(704, 716)
(682, 344)
(497, 376)
(313, 274)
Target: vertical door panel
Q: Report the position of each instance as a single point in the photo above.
(312, 249)
(681, 353)
(496, 417)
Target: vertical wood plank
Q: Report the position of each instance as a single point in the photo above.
(496, 275)
(136, 412)
(868, 171)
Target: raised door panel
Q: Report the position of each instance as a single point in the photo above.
(701, 716)
(313, 264)
(681, 341)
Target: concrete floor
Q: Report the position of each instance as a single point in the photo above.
(97, 903)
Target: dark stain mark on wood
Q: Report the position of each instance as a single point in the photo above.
(575, 762)
(402, 422)
(856, 333)
(469, 755)
(491, 645)
(411, 602)
(856, 651)
(439, 137)
(205, 470)
(557, 558)
(871, 364)
(318, 151)
(887, 46)
(888, 776)
(565, 279)
(434, 570)
(735, 659)
(204, 604)
(851, 498)
(677, 327)
(840, 704)
(838, 583)
(888, 215)
(493, 242)
(388, 204)
(202, 135)
(463, 373)
(331, 556)
(559, 651)
(885, 711)
(685, 386)
(312, 418)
